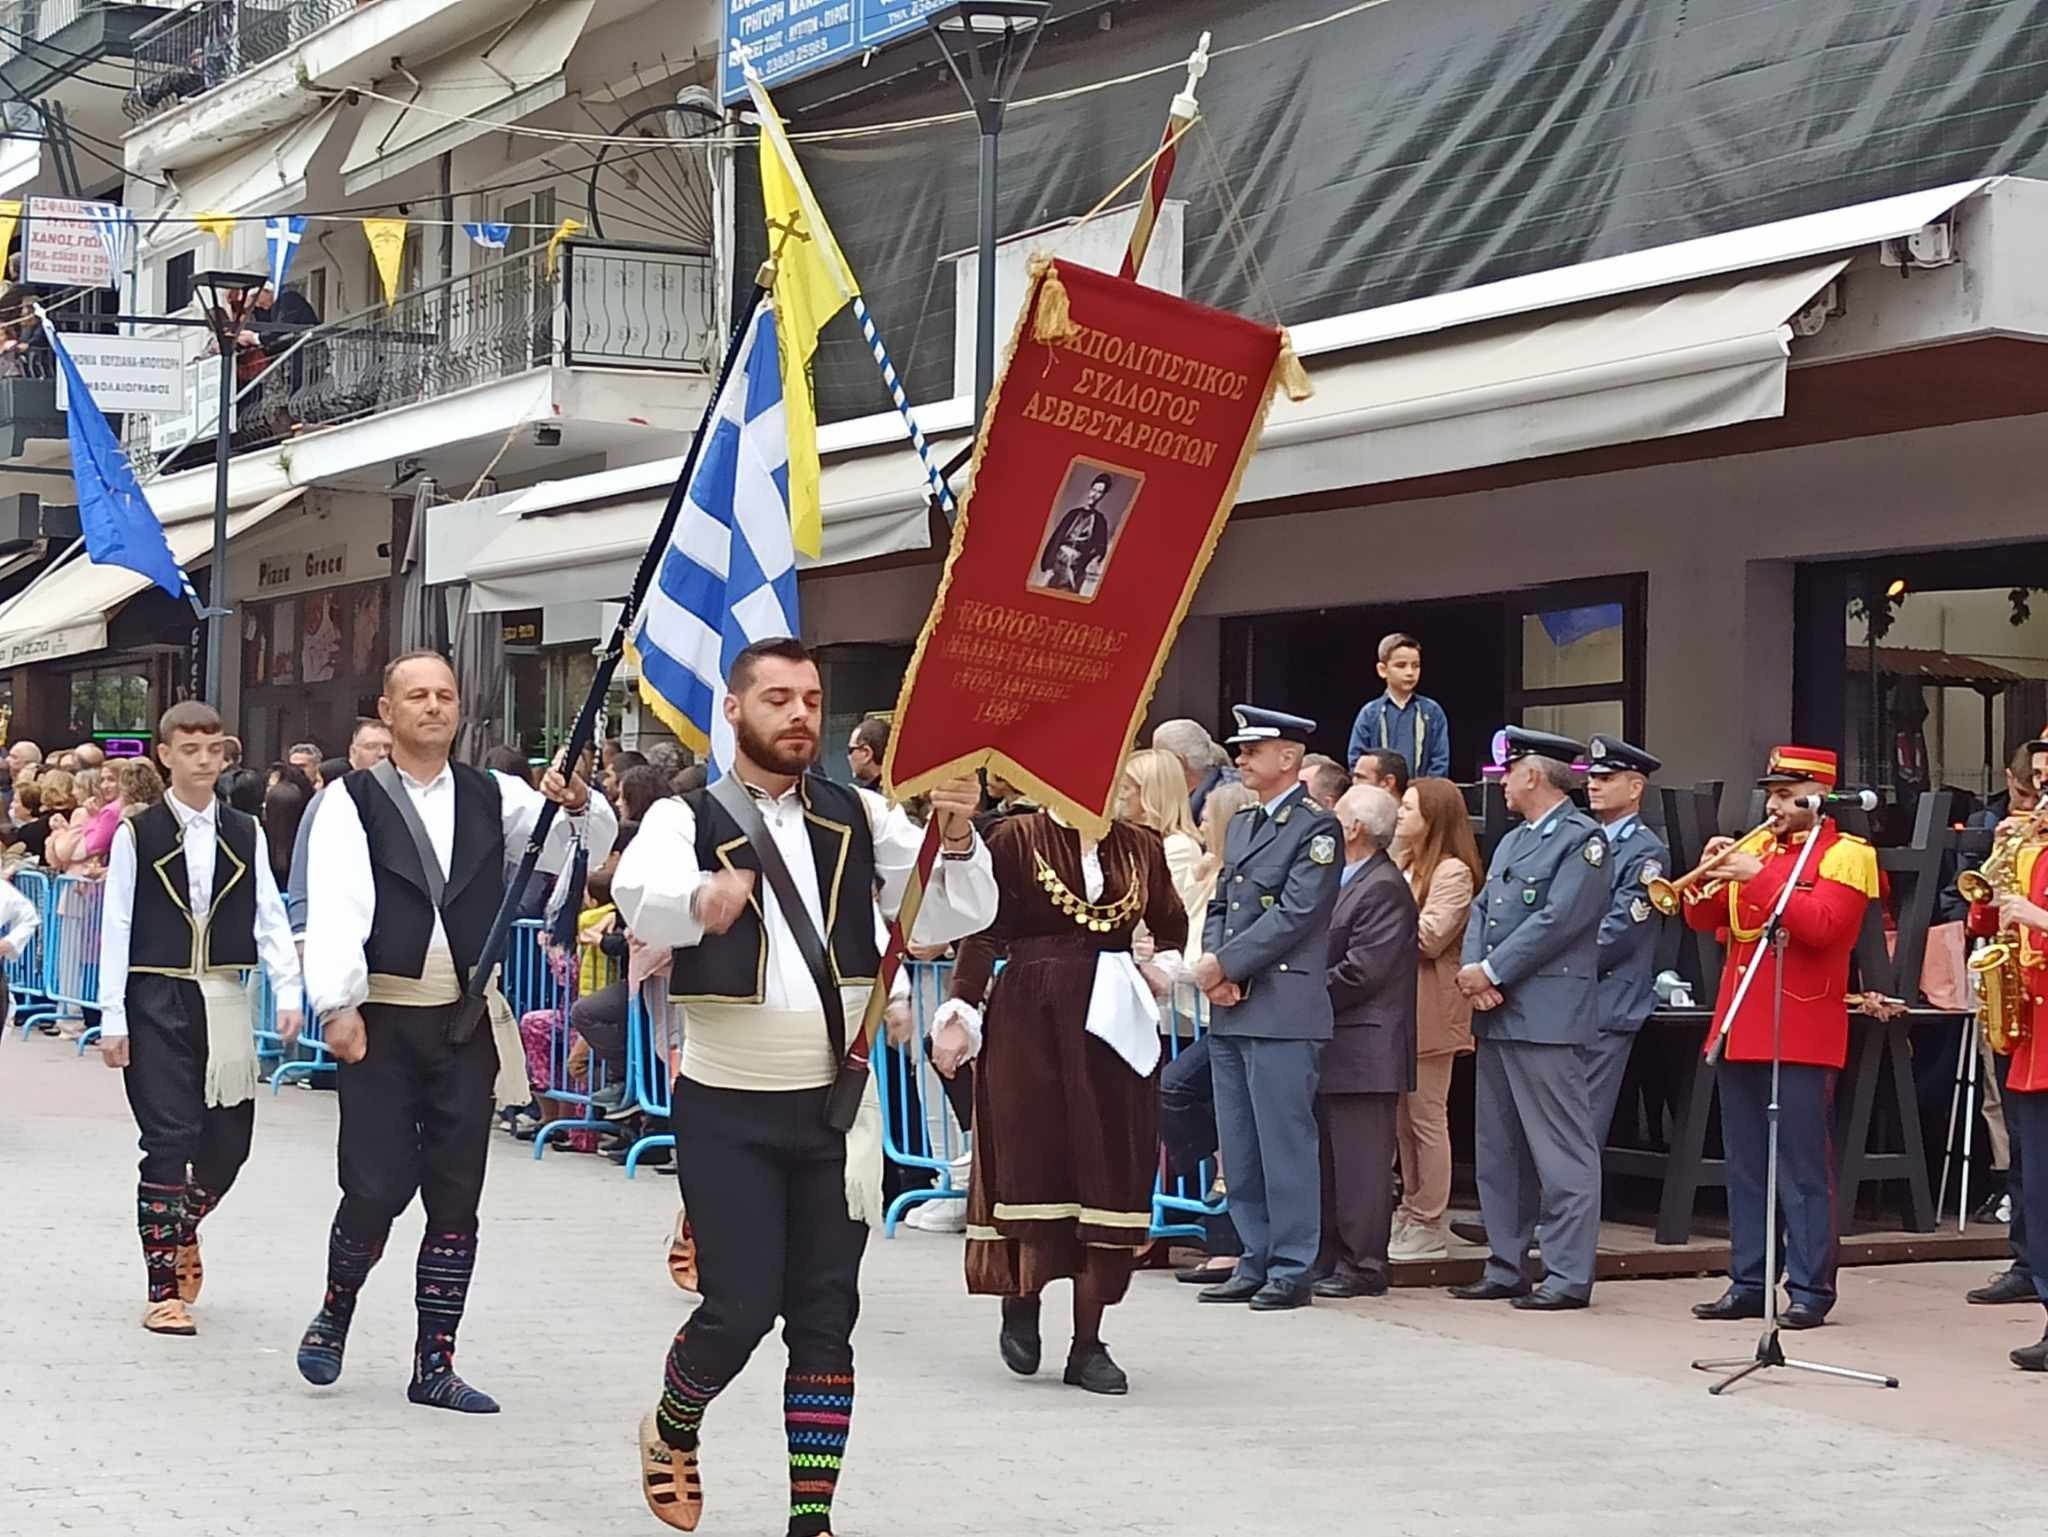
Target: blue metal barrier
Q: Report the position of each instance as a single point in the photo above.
(1176, 1195)
(71, 950)
(27, 971)
(530, 976)
(896, 1070)
(654, 1039)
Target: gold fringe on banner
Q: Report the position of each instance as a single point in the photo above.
(1052, 321)
(1293, 377)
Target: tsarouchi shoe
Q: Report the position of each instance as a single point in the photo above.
(169, 1317)
(669, 1480)
(191, 1273)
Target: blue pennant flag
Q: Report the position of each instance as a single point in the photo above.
(283, 233)
(114, 515)
(491, 237)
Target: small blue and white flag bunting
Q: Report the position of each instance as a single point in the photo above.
(728, 576)
(491, 237)
(282, 233)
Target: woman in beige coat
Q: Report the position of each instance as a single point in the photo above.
(1434, 847)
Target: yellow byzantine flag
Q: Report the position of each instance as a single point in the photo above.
(812, 284)
(387, 247)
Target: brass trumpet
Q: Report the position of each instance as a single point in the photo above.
(1668, 896)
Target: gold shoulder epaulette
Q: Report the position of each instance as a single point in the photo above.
(1851, 862)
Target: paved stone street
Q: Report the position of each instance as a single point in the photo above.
(1410, 1415)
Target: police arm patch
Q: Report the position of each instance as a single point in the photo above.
(1594, 850)
(1639, 911)
(1322, 849)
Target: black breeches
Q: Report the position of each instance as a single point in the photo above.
(166, 1082)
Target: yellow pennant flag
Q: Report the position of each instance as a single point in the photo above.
(10, 216)
(812, 284)
(568, 229)
(387, 246)
(218, 225)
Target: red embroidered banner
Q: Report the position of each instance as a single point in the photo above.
(1107, 467)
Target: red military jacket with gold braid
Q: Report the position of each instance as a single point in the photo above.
(2029, 1058)
(1822, 921)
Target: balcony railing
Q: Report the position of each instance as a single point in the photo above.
(190, 52)
(630, 307)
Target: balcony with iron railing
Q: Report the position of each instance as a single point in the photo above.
(205, 45)
(45, 43)
(605, 306)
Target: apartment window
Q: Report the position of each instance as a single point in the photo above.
(178, 282)
(107, 699)
(312, 287)
(1575, 663)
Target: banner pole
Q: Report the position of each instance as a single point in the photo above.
(607, 665)
(1183, 112)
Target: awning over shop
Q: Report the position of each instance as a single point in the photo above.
(64, 611)
(1645, 365)
(268, 174)
(464, 94)
(874, 505)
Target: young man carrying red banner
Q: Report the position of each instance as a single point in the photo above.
(1822, 919)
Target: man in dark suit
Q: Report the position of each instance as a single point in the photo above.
(1079, 542)
(1370, 1061)
(1265, 956)
(1616, 780)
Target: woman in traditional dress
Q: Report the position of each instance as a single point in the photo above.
(1066, 1105)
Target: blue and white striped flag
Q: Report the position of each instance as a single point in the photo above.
(282, 234)
(491, 237)
(728, 577)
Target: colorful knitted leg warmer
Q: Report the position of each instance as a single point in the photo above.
(348, 1265)
(198, 1202)
(445, 1265)
(159, 1212)
(817, 1408)
(684, 1398)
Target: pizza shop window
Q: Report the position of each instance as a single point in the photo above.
(109, 699)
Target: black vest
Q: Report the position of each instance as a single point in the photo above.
(404, 921)
(733, 967)
(164, 938)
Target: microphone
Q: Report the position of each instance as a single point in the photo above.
(1862, 800)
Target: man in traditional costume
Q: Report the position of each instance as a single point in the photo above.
(1066, 1097)
(190, 905)
(782, 1177)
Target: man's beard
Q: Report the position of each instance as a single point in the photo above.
(774, 754)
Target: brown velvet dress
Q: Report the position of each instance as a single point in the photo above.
(1066, 1136)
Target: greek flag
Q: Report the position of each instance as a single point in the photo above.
(728, 577)
(282, 234)
(491, 237)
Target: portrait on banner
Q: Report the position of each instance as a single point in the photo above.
(1088, 514)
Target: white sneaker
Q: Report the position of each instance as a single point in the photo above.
(1418, 1241)
(943, 1216)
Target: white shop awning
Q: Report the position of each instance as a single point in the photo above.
(1642, 365)
(462, 95)
(64, 611)
(268, 175)
(873, 505)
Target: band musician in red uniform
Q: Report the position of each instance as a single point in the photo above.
(2018, 918)
(1822, 920)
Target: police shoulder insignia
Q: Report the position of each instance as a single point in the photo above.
(1652, 869)
(1285, 813)
(1594, 850)
(1639, 911)
(1322, 848)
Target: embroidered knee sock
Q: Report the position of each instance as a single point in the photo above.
(159, 1212)
(198, 1202)
(445, 1265)
(348, 1266)
(684, 1397)
(817, 1409)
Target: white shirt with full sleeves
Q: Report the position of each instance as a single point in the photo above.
(341, 904)
(200, 831)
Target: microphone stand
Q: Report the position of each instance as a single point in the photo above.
(1769, 1352)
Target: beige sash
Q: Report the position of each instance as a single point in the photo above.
(230, 1040)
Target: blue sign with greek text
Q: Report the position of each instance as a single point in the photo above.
(789, 39)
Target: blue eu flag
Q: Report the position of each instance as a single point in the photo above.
(115, 517)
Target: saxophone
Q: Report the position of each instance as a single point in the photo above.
(1998, 968)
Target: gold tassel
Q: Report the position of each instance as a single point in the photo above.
(1293, 377)
(1053, 322)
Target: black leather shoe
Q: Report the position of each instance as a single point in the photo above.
(2032, 1358)
(1488, 1291)
(1468, 1231)
(1731, 1304)
(1019, 1340)
(2007, 1286)
(1206, 1275)
(1350, 1283)
(1279, 1297)
(1236, 1289)
(1089, 1367)
(1550, 1302)
(1802, 1315)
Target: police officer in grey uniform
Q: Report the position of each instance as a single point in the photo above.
(1531, 957)
(1617, 776)
(1265, 954)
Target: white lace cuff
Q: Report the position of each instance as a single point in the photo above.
(968, 1016)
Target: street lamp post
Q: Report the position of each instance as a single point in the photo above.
(987, 44)
(217, 610)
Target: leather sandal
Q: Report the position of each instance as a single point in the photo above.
(169, 1317)
(682, 1254)
(668, 1478)
(191, 1273)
